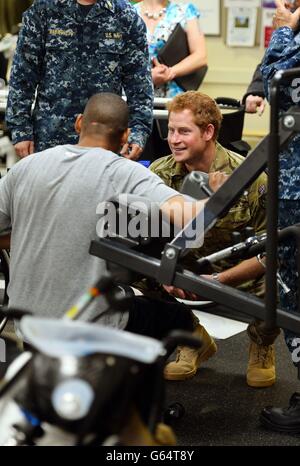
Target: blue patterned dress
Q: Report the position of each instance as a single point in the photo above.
(176, 13)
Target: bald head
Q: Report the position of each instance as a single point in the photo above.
(105, 116)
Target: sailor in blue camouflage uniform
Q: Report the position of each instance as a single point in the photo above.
(67, 51)
(284, 53)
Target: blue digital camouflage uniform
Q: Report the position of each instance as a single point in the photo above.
(284, 53)
(67, 57)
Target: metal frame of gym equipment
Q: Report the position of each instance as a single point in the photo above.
(168, 269)
(28, 430)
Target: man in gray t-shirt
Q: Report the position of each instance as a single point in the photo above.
(49, 201)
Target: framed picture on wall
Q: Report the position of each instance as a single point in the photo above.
(210, 19)
(241, 26)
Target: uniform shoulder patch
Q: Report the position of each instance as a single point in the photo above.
(262, 189)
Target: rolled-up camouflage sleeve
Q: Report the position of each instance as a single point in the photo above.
(25, 76)
(137, 82)
(283, 53)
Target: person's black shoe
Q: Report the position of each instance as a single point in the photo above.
(283, 419)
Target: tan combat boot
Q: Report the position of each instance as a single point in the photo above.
(261, 366)
(188, 359)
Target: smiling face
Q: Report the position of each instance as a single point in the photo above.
(187, 141)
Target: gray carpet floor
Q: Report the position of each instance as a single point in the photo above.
(221, 410)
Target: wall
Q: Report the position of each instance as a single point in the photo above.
(230, 72)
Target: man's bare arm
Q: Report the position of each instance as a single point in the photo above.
(248, 269)
(180, 211)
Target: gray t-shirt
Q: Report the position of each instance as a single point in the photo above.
(49, 199)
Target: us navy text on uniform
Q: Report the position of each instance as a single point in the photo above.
(64, 58)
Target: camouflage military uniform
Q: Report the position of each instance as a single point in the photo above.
(284, 53)
(249, 211)
(67, 57)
